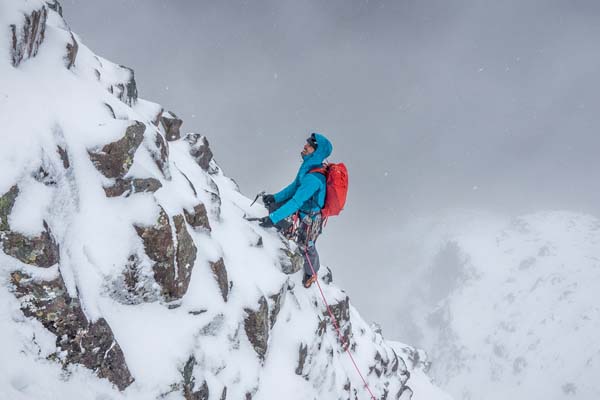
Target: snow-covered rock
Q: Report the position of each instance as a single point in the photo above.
(128, 270)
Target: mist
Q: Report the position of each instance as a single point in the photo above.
(433, 105)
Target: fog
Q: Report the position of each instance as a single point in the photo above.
(432, 105)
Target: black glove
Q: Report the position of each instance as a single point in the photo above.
(266, 222)
(268, 199)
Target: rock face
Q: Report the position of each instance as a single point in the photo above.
(341, 312)
(198, 218)
(256, 325)
(80, 341)
(172, 267)
(172, 126)
(129, 186)
(115, 159)
(28, 37)
(126, 90)
(41, 251)
(220, 273)
(160, 155)
(72, 49)
(200, 150)
(55, 5)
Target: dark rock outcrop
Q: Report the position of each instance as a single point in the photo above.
(277, 301)
(80, 341)
(302, 353)
(115, 159)
(56, 6)
(126, 90)
(220, 273)
(41, 251)
(172, 126)
(256, 325)
(7, 202)
(185, 255)
(290, 261)
(341, 312)
(198, 218)
(158, 245)
(64, 156)
(189, 382)
(72, 49)
(172, 266)
(28, 37)
(129, 186)
(160, 155)
(200, 151)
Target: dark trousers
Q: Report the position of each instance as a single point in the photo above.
(308, 232)
(306, 237)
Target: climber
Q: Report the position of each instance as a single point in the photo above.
(305, 195)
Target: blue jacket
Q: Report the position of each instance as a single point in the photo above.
(307, 192)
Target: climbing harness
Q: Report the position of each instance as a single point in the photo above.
(345, 345)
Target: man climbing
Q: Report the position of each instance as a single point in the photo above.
(305, 195)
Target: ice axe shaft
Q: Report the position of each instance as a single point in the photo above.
(257, 196)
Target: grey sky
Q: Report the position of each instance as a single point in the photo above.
(432, 104)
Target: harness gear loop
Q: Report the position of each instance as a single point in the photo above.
(345, 344)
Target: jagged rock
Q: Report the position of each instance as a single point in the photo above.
(135, 285)
(80, 341)
(200, 151)
(56, 6)
(185, 256)
(198, 218)
(158, 245)
(341, 312)
(302, 353)
(172, 126)
(132, 185)
(290, 261)
(158, 117)
(27, 38)
(160, 155)
(126, 90)
(41, 250)
(224, 393)
(405, 393)
(277, 300)
(63, 156)
(256, 325)
(72, 49)
(327, 277)
(7, 202)
(44, 177)
(189, 382)
(115, 159)
(220, 273)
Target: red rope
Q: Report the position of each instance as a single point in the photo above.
(345, 345)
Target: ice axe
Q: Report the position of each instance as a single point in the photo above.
(257, 196)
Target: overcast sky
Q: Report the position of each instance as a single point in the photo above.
(432, 104)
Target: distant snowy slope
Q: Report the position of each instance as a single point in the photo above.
(511, 308)
(127, 269)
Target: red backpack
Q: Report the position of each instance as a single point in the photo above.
(336, 176)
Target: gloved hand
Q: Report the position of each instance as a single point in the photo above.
(266, 222)
(268, 199)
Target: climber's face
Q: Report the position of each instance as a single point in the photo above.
(308, 149)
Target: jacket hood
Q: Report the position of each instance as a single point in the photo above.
(324, 149)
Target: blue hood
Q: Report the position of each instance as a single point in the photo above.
(324, 148)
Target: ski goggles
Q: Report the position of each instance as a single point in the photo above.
(312, 140)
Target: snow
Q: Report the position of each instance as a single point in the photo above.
(520, 318)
